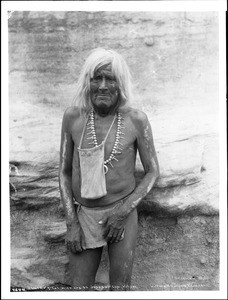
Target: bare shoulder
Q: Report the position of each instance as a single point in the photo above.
(138, 117)
(71, 115)
(71, 112)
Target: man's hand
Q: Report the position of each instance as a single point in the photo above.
(75, 238)
(114, 227)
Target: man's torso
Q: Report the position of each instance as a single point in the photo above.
(120, 179)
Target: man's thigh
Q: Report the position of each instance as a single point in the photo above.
(121, 255)
(83, 267)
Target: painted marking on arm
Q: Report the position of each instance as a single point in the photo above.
(150, 186)
(64, 145)
(146, 132)
(136, 202)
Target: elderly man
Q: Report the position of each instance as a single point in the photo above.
(100, 137)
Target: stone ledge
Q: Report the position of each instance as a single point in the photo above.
(181, 188)
(56, 234)
(180, 201)
(180, 162)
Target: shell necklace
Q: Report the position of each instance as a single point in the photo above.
(116, 147)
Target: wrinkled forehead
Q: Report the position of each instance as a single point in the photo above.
(101, 68)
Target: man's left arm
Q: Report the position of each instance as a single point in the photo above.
(145, 146)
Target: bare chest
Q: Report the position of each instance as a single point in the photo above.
(117, 134)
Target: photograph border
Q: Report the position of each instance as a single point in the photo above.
(8, 7)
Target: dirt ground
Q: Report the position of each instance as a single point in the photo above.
(172, 253)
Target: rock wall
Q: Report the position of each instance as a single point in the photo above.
(173, 57)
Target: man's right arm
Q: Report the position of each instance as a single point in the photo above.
(74, 233)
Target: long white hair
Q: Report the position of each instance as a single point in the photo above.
(98, 58)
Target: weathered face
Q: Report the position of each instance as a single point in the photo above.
(104, 89)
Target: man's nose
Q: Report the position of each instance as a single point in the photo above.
(103, 86)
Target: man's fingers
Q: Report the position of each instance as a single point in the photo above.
(106, 232)
(68, 245)
(83, 241)
(73, 246)
(117, 235)
(112, 238)
(112, 235)
(120, 235)
(72, 249)
(109, 234)
(77, 247)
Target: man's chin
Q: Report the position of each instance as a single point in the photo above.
(102, 106)
(103, 103)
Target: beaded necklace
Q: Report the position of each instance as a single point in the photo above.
(119, 135)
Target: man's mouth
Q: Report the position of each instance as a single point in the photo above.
(103, 96)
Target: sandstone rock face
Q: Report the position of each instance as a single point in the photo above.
(181, 162)
(173, 57)
(56, 234)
